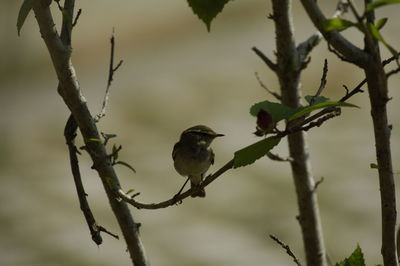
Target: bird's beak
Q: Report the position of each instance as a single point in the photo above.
(219, 135)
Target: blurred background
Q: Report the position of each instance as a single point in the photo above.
(175, 75)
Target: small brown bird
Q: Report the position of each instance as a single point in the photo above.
(193, 156)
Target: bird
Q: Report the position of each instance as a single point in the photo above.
(193, 156)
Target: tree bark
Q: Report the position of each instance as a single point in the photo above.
(288, 71)
(369, 60)
(71, 93)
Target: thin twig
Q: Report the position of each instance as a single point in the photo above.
(77, 17)
(266, 60)
(392, 72)
(70, 134)
(275, 94)
(102, 229)
(323, 82)
(276, 157)
(177, 198)
(287, 248)
(356, 90)
(319, 182)
(317, 123)
(59, 5)
(111, 72)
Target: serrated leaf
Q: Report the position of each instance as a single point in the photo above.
(253, 152)
(278, 111)
(306, 110)
(381, 23)
(377, 35)
(355, 259)
(126, 164)
(207, 10)
(379, 3)
(318, 99)
(26, 7)
(337, 24)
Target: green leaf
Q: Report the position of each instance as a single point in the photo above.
(306, 110)
(276, 110)
(207, 10)
(130, 191)
(373, 165)
(255, 151)
(337, 24)
(379, 3)
(23, 13)
(355, 259)
(318, 99)
(377, 35)
(94, 140)
(381, 23)
(126, 164)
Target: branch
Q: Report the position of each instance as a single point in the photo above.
(77, 17)
(323, 83)
(276, 157)
(179, 197)
(111, 72)
(322, 116)
(289, 70)
(319, 182)
(378, 94)
(287, 248)
(275, 94)
(70, 134)
(305, 48)
(342, 45)
(71, 93)
(266, 60)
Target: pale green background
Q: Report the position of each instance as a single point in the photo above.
(175, 74)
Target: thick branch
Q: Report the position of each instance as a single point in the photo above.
(289, 79)
(339, 43)
(378, 95)
(71, 93)
(305, 48)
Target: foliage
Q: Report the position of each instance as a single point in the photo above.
(207, 10)
(356, 259)
(253, 152)
(26, 7)
(267, 112)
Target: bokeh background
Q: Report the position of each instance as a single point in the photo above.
(175, 74)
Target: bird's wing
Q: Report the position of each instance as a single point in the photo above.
(212, 156)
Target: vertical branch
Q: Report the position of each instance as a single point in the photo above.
(369, 60)
(288, 70)
(71, 93)
(378, 95)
